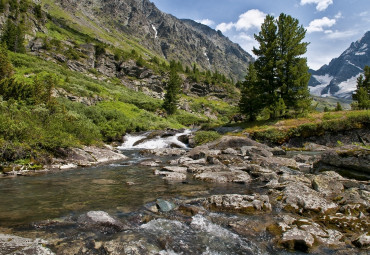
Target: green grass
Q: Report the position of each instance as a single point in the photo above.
(202, 137)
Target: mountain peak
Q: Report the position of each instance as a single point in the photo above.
(339, 78)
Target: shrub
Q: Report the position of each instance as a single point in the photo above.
(202, 137)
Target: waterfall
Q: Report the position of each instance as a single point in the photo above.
(141, 141)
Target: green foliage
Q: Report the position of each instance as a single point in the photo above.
(202, 137)
(171, 97)
(13, 36)
(281, 73)
(250, 102)
(38, 11)
(338, 107)
(6, 67)
(362, 92)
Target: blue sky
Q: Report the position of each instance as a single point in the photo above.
(331, 24)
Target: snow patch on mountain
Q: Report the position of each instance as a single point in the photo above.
(324, 81)
(347, 87)
(155, 30)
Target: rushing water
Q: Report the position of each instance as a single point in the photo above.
(124, 189)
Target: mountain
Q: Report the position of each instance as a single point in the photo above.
(142, 22)
(339, 78)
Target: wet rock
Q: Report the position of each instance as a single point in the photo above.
(357, 159)
(238, 203)
(230, 151)
(315, 147)
(353, 201)
(171, 176)
(102, 155)
(192, 162)
(176, 169)
(297, 239)
(363, 241)
(224, 176)
(102, 221)
(202, 152)
(149, 163)
(10, 244)
(234, 142)
(254, 150)
(165, 152)
(190, 210)
(164, 205)
(197, 169)
(328, 184)
(299, 198)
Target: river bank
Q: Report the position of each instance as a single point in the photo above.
(230, 196)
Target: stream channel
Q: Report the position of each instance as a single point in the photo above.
(49, 206)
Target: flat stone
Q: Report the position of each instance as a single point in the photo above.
(297, 239)
(10, 244)
(238, 203)
(177, 169)
(224, 177)
(164, 205)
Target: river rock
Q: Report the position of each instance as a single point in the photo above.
(102, 155)
(165, 152)
(300, 198)
(328, 184)
(230, 151)
(297, 239)
(164, 205)
(10, 244)
(235, 142)
(176, 169)
(171, 176)
(101, 221)
(151, 163)
(363, 241)
(255, 150)
(238, 203)
(202, 152)
(197, 169)
(236, 176)
(353, 159)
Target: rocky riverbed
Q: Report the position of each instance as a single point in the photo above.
(254, 199)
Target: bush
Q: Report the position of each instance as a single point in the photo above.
(202, 137)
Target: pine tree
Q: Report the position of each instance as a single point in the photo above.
(338, 107)
(6, 67)
(293, 75)
(282, 74)
(171, 97)
(250, 103)
(13, 36)
(266, 62)
(362, 92)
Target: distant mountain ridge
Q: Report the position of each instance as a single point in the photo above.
(339, 78)
(174, 39)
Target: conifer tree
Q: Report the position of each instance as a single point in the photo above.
(362, 92)
(171, 97)
(250, 103)
(6, 67)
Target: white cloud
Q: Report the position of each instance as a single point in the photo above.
(248, 20)
(206, 22)
(321, 5)
(318, 25)
(364, 14)
(224, 27)
(341, 34)
(338, 15)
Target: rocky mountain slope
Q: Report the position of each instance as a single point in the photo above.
(141, 21)
(339, 78)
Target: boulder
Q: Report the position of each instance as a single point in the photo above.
(164, 205)
(255, 150)
(171, 176)
(10, 244)
(235, 142)
(224, 176)
(363, 241)
(297, 239)
(238, 203)
(102, 221)
(328, 184)
(176, 169)
(299, 198)
(102, 155)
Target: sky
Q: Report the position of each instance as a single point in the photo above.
(332, 25)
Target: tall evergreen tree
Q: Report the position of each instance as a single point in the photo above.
(250, 103)
(6, 67)
(293, 75)
(362, 92)
(266, 62)
(171, 97)
(282, 72)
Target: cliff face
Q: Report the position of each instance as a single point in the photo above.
(164, 34)
(339, 78)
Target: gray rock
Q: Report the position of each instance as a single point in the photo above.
(230, 151)
(102, 221)
(176, 169)
(165, 206)
(297, 239)
(224, 176)
(328, 184)
(10, 244)
(300, 198)
(102, 155)
(171, 176)
(363, 241)
(254, 150)
(238, 203)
